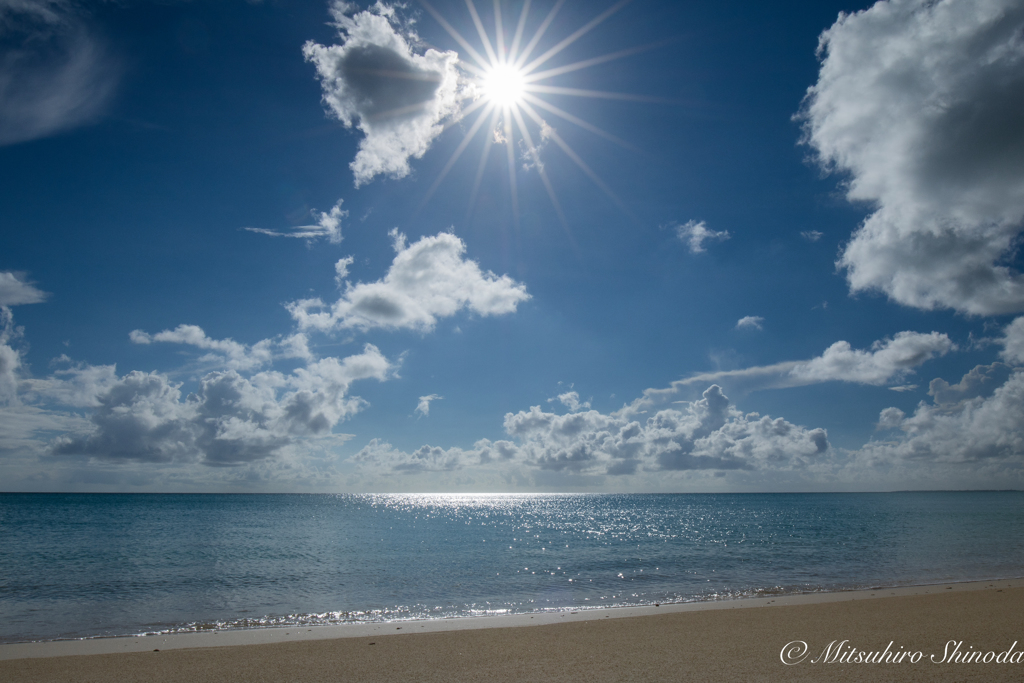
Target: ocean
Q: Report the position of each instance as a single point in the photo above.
(94, 565)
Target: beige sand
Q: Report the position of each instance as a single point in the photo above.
(733, 641)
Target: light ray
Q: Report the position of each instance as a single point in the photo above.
(602, 94)
(455, 34)
(480, 30)
(525, 132)
(579, 122)
(519, 32)
(558, 71)
(465, 112)
(499, 32)
(540, 32)
(488, 141)
(572, 38)
(511, 167)
(455, 156)
(473, 68)
(575, 157)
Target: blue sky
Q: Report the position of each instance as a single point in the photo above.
(663, 247)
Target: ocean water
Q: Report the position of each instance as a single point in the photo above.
(88, 565)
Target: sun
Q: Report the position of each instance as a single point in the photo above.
(503, 85)
(509, 96)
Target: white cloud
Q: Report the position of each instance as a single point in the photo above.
(696, 233)
(707, 434)
(375, 81)
(427, 280)
(229, 420)
(76, 385)
(341, 269)
(1013, 341)
(750, 322)
(530, 156)
(977, 422)
(812, 235)
(887, 359)
(380, 455)
(54, 74)
(920, 103)
(328, 225)
(982, 380)
(423, 407)
(983, 425)
(571, 400)
(227, 351)
(15, 291)
(10, 358)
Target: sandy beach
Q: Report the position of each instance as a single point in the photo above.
(721, 641)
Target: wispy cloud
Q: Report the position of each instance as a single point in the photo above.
(54, 73)
(15, 290)
(328, 226)
(886, 360)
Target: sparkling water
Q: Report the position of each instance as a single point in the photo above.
(85, 565)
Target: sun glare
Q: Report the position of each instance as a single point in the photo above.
(511, 96)
(504, 85)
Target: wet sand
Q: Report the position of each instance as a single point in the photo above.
(739, 640)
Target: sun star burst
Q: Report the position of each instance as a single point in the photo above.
(509, 97)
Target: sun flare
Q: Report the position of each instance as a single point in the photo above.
(504, 85)
(511, 96)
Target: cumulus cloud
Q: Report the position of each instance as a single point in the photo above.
(696, 233)
(981, 381)
(812, 235)
(10, 358)
(15, 291)
(72, 384)
(328, 226)
(54, 73)
(376, 82)
(979, 421)
(380, 455)
(427, 280)
(707, 434)
(921, 103)
(229, 420)
(1013, 341)
(423, 407)
(750, 322)
(976, 421)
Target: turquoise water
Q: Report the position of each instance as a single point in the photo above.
(84, 565)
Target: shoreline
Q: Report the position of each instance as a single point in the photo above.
(214, 638)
